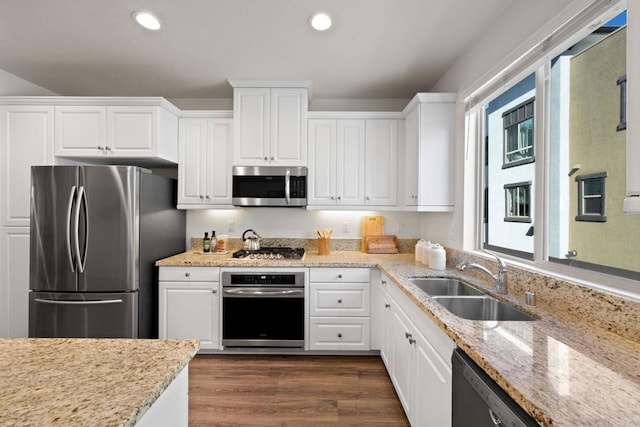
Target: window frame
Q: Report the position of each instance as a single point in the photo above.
(589, 217)
(516, 218)
(522, 106)
(503, 76)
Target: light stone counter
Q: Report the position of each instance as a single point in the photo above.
(563, 370)
(83, 382)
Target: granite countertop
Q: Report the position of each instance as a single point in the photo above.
(84, 381)
(561, 370)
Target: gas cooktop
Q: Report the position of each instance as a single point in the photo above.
(275, 252)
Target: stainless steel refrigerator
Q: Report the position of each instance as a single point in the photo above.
(96, 232)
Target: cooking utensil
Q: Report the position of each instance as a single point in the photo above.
(251, 243)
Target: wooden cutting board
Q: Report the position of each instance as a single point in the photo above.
(371, 226)
(382, 244)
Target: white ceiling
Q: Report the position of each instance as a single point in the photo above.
(376, 48)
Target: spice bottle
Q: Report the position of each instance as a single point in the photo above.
(206, 243)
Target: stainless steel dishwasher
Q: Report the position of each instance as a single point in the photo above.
(478, 401)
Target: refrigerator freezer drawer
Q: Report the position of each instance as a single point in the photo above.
(83, 315)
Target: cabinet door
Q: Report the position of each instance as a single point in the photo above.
(402, 356)
(321, 186)
(80, 131)
(386, 339)
(26, 140)
(411, 124)
(381, 162)
(251, 115)
(339, 333)
(432, 386)
(350, 161)
(190, 310)
(192, 159)
(344, 299)
(288, 127)
(218, 161)
(14, 282)
(131, 131)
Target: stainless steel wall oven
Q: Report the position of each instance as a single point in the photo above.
(263, 309)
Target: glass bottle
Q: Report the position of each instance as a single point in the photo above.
(206, 243)
(214, 241)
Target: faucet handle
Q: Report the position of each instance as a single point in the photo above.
(501, 264)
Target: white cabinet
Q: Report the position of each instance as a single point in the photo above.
(112, 132)
(270, 125)
(352, 162)
(26, 139)
(339, 308)
(189, 305)
(336, 162)
(417, 355)
(381, 164)
(204, 160)
(428, 154)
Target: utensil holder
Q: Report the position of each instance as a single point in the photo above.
(324, 246)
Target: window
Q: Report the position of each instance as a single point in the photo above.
(518, 202)
(622, 82)
(591, 197)
(579, 133)
(518, 134)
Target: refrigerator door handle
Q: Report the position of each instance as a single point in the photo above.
(69, 213)
(79, 199)
(62, 302)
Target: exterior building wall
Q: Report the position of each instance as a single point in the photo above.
(597, 146)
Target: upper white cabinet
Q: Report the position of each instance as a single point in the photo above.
(270, 123)
(429, 149)
(204, 161)
(112, 132)
(352, 162)
(26, 140)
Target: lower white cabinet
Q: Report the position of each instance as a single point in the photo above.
(189, 305)
(339, 308)
(417, 355)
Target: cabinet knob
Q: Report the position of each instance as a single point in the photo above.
(412, 341)
(407, 335)
(208, 197)
(339, 276)
(187, 274)
(100, 147)
(339, 335)
(332, 198)
(214, 291)
(384, 282)
(266, 158)
(368, 198)
(339, 197)
(339, 301)
(107, 148)
(387, 305)
(273, 158)
(201, 197)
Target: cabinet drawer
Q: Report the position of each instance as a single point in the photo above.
(190, 274)
(337, 275)
(339, 333)
(347, 299)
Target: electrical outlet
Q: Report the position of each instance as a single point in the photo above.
(231, 226)
(345, 227)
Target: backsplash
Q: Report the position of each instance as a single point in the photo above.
(616, 314)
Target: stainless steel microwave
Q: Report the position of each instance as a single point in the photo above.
(278, 186)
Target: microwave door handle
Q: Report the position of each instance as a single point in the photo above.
(69, 215)
(287, 187)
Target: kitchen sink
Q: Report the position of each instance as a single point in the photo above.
(482, 308)
(436, 286)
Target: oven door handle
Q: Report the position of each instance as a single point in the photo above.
(262, 292)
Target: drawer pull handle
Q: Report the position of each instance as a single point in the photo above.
(339, 276)
(339, 335)
(384, 282)
(339, 301)
(187, 274)
(407, 335)
(412, 341)
(387, 305)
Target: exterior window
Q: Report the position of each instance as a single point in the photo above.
(622, 82)
(518, 202)
(518, 135)
(591, 197)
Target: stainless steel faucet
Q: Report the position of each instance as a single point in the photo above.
(499, 279)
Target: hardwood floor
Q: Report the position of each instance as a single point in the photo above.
(266, 390)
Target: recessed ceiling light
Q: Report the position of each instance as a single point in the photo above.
(320, 21)
(146, 20)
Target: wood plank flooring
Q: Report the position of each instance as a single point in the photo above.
(267, 390)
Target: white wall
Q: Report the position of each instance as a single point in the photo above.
(521, 26)
(296, 223)
(11, 85)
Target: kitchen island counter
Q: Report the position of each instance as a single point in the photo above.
(85, 381)
(566, 369)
